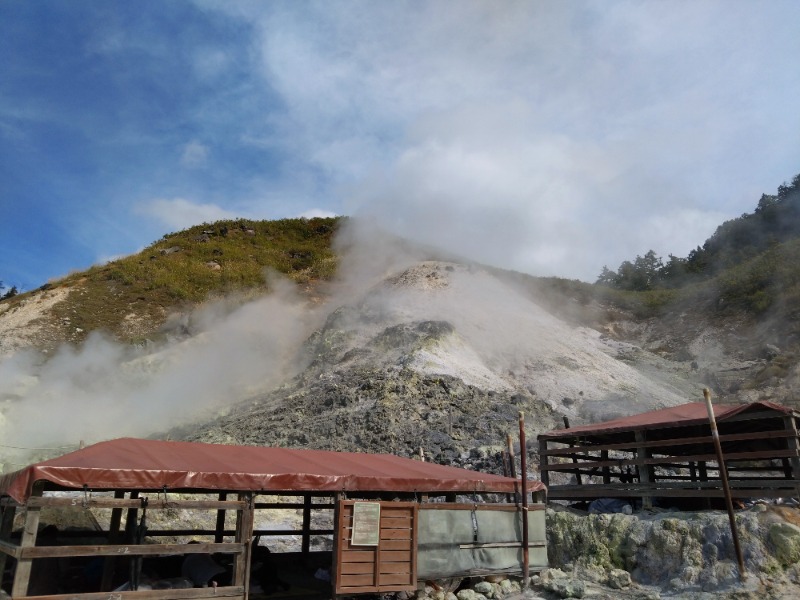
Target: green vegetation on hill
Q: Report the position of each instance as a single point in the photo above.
(751, 264)
(225, 257)
(194, 265)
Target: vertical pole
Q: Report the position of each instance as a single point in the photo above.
(793, 444)
(6, 527)
(338, 542)
(244, 537)
(22, 574)
(642, 454)
(574, 459)
(512, 462)
(306, 539)
(219, 532)
(109, 563)
(545, 473)
(723, 474)
(523, 452)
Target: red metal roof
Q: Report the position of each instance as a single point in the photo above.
(693, 413)
(137, 464)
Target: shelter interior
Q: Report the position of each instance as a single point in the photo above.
(668, 457)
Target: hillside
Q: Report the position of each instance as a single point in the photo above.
(131, 298)
(296, 321)
(319, 334)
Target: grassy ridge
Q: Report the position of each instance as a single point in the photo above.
(227, 256)
(191, 266)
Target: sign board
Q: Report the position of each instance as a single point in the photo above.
(366, 524)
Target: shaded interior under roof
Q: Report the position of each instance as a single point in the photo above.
(137, 464)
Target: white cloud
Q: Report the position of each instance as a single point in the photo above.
(544, 137)
(179, 213)
(547, 137)
(315, 213)
(194, 154)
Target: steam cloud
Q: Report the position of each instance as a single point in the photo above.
(103, 389)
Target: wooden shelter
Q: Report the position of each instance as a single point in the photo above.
(669, 454)
(395, 522)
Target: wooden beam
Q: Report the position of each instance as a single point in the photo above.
(134, 503)
(593, 463)
(22, 574)
(128, 550)
(186, 594)
(644, 470)
(338, 542)
(109, 565)
(219, 533)
(305, 544)
(543, 466)
(6, 527)
(664, 443)
(792, 443)
(244, 539)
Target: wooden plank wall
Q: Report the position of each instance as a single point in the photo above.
(391, 566)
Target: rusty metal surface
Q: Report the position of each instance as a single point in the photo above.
(692, 413)
(137, 464)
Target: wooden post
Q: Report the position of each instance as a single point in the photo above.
(512, 462)
(643, 454)
(606, 470)
(794, 444)
(23, 573)
(336, 568)
(244, 536)
(545, 474)
(523, 453)
(723, 474)
(219, 532)
(131, 516)
(6, 528)
(306, 543)
(574, 460)
(109, 563)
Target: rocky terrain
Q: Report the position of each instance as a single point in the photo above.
(438, 356)
(443, 357)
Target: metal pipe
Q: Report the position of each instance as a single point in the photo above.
(723, 475)
(524, 475)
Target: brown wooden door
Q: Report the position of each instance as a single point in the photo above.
(386, 558)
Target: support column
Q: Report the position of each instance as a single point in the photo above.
(337, 542)
(23, 573)
(6, 528)
(543, 472)
(306, 539)
(244, 536)
(642, 454)
(794, 444)
(109, 564)
(219, 533)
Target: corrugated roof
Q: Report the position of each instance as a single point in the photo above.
(137, 464)
(693, 413)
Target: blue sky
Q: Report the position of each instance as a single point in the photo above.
(547, 137)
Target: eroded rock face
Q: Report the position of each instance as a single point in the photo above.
(443, 357)
(679, 552)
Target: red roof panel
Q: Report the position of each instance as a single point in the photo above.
(138, 464)
(682, 415)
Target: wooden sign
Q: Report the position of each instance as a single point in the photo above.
(366, 524)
